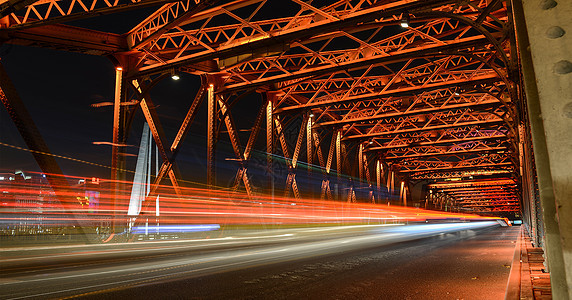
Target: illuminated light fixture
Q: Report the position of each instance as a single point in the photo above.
(311, 115)
(370, 142)
(119, 68)
(211, 85)
(174, 75)
(405, 20)
(456, 93)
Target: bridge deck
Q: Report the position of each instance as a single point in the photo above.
(311, 263)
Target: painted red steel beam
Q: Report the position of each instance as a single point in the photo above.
(479, 197)
(471, 188)
(503, 204)
(479, 166)
(428, 51)
(286, 38)
(176, 14)
(511, 187)
(69, 38)
(435, 164)
(419, 111)
(454, 174)
(497, 211)
(9, 7)
(487, 11)
(496, 200)
(453, 153)
(137, 38)
(499, 187)
(493, 202)
(438, 142)
(76, 11)
(421, 129)
(483, 190)
(445, 65)
(205, 38)
(455, 148)
(477, 192)
(480, 191)
(486, 182)
(487, 199)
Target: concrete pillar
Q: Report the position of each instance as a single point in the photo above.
(544, 34)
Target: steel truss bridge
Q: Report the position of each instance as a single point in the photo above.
(435, 100)
(383, 91)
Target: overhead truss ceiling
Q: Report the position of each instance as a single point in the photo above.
(432, 101)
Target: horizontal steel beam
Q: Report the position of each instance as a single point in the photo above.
(475, 183)
(414, 112)
(286, 38)
(436, 170)
(431, 128)
(70, 38)
(477, 80)
(439, 142)
(86, 13)
(471, 151)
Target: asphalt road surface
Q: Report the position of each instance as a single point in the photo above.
(433, 261)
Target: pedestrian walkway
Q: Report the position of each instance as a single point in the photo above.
(529, 279)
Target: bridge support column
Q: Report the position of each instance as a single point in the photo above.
(211, 115)
(338, 163)
(545, 45)
(378, 177)
(118, 131)
(403, 194)
(116, 123)
(270, 141)
(309, 152)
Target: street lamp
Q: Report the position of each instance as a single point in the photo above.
(405, 19)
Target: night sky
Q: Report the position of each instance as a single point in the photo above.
(58, 88)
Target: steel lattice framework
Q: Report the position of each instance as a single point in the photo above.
(433, 101)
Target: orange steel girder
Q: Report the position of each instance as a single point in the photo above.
(434, 99)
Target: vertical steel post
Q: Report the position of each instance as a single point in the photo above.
(402, 193)
(116, 122)
(211, 107)
(391, 180)
(338, 162)
(309, 152)
(378, 171)
(360, 162)
(270, 142)
(388, 185)
(115, 146)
